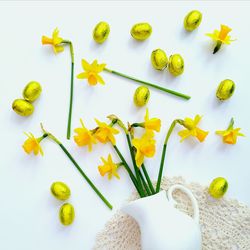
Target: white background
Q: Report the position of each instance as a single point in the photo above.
(28, 212)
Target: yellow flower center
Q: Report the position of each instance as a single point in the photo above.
(148, 149)
(224, 32)
(104, 169)
(92, 80)
(47, 40)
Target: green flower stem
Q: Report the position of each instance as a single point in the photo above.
(143, 166)
(217, 47)
(78, 168)
(164, 152)
(231, 124)
(42, 137)
(149, 84)
(135, 125)
(148, 178)
(132, 177)
(71, 87)
(134, 163)
(145, 184)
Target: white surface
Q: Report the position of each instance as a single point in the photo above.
(29, 214)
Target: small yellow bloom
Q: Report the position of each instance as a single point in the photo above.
(55, 41)
(153, 123)
(230, 135)
(192, 129)
(92, 72)
(32, 144)
(105, 133)
(109, 168)
(145, 147)
(221, 35)
(84, 137)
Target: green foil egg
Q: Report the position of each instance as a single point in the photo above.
(32, 91)
(141, 96)
(60, 190)
(159, 59)
(192, 20)
(176, 64)
(101, 32)
(141, 31)
(225, 89)
(22, 107)
(218, 187)
(67, 214)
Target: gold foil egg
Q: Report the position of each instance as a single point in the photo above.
(192, 20)
(176, 64)
(141, 31)
(225, 89)
(67, 214)
(101, 32)
(159, 59)
(218, 187)
(60, 190)
(22, 107)
(32, 91)
(141, 96)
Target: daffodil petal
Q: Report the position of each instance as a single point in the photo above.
(82, 75)
(85, 65)
(184, 134)
(100, 79)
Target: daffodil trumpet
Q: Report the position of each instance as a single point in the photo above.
(58, 46)
(28, 145)
(172, 92)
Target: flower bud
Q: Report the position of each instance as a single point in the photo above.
(22, 107)
(141, 31)
(192, 20)
(225, 89)
(101, 32)
(141, 96)
(60, 190)
(218, 187)
(176, 65)
(32, 91)
(67, 214)
(159, 59)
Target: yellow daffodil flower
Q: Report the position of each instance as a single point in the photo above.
(192, 129)
(221, 36)
(105, 133)
(55, 41)
(32, 144)
(92, 72)
(109, 168)
(153, 123)
(84, 137)
(145, 147)
(230, 135)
